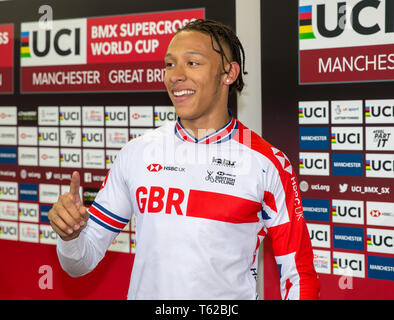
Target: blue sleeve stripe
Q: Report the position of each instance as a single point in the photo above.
(109, 213)
(103, 224)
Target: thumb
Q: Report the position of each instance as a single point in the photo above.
(74, 188)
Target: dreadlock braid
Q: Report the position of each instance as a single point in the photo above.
(220, 33)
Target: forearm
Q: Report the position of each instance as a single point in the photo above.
(79, 256)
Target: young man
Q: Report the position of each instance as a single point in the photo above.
(204, 191)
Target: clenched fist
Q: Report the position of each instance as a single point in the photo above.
(68, 215)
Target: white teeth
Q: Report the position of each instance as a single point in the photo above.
(182, 92)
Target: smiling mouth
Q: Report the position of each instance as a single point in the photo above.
(183, 93)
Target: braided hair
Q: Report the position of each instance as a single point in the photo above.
(220, 33)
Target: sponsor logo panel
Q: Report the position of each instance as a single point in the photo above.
(380, 240)
(321, 261)
(93, 158)
(348, 238)
(8, 116)
(314, 163)
(93, 137)
(346, 111)
(379, 138)
(49, 193)
(381, 268)
(141, 116)
(316, 209)
(49, 157)
(8, 190)
(8, 210)
(313, 112)
(348, 264)
(47, 235)
(92, 116)
(345, 211)
(28, 212)
(8, 155)
(28, 232)
(116, 116)
(8, 135)
(27, 136)
(70, 137)
(70, 158)
(48, 136)
(8, 230)
(347, 138)
(116, 137)
(48, 115)
(314, 138)
(27, 156)
(380, 213)
(320, 235)
(110, 156)
(164, 114)
(347, 164)
(379, 165)
(379, 111)
(70, 116)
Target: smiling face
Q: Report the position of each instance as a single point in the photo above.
(194, 77)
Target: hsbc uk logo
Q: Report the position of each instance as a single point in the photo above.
(156, 167)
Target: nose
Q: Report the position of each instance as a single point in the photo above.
(177, 74)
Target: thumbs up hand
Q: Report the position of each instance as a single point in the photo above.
(68, 216)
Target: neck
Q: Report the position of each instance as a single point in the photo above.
(203, 126)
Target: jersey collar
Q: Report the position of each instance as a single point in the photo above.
(221, 135)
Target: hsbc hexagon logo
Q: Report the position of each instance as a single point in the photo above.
(284, 161)
(375, 213)
(154, 167)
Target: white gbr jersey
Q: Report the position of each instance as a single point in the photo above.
(202, 209)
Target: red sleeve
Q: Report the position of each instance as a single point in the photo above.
(289, 234)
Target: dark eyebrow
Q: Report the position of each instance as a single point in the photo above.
(169, 55)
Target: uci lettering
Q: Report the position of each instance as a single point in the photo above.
(163, 116)
(315, 163)
(8, 230)
(72, 157)
(28, 212)
(379, 240)
(314, 112)
(96, 137)
(8, 191)
(155, 199)
(47, 234)
(352, 264)
(59, 49)
(356, 13)
(386, 111)
(349, 211)
(117, 115)
(319, 235)
(48, 136)
(352, 138)
(69, 115)
(378, 165)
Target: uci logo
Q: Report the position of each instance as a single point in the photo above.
(64, 42)
(355, 17)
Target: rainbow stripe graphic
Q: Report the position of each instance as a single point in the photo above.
(61, 157)
(61, 117)
(300, 113)
(107, 159)
(367, 111)
(83, 136)
(25, 48)
(369, 240)
(41, 234)
(334, 211)
(305, 24)
(301, 163)
(156, 116)
(39, 136)
(19, 212)
(368, 165)
(335, 263)
(333, 138)
(106, 116)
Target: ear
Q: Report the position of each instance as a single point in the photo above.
(233, 72)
